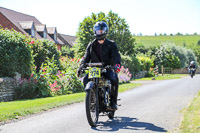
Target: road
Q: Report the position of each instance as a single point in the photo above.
(154, 107)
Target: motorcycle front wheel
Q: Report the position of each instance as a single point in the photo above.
(92, 107)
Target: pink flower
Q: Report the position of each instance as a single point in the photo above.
(31, 75)
(122, 67)
(32, 42)
(126, 69)
(59, 72)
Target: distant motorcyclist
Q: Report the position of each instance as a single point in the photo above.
(192, 66)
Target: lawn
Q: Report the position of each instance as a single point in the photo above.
(191, 119)
(186, 40)
(164, 77)
(17, 109)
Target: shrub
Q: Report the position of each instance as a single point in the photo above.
(146, 62)
(198, 42)
(66, 51)
(174, 56)
(132, 63)
(72, 83)
(43, 49)
(33, 87)
(50, 81)
(15, 54)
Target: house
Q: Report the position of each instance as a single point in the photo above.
(27, 24)
(67, 39)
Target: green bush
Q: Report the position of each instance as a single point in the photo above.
(132, 63)
(196, 49)
(32, 88)
(174, 56)
(198, 42)
(146, 62)
(15, 54)
(66, 51)
(50, 81)
(145, 49)
(43, 49)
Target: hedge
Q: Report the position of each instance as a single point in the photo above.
(15, 54)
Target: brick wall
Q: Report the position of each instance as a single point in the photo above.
(7, 86)
(5, 23)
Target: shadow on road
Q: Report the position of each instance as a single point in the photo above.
(128, 123)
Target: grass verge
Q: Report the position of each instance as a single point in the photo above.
(164, 77)
(191, 120)
(16, 109)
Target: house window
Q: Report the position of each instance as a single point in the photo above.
(28, 31)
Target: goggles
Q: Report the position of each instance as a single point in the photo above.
(100, 31)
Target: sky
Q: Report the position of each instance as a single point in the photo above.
(143, 16)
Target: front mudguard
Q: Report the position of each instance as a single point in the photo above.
(89, 85)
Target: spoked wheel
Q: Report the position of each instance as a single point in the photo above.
(92, 107)
(111, 114)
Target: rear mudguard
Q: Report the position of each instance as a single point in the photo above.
(89, 85)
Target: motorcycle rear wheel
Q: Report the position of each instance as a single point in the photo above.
(92, 107)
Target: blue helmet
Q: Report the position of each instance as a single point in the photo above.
(192, 62)
(100, 30)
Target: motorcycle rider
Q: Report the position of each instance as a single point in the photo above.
(103, 50)
(192, 65)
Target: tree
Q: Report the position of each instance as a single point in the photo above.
(179, 34)
(118, 31)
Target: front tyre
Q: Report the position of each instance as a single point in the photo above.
(92, 108)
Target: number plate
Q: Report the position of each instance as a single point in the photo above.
(94, 72)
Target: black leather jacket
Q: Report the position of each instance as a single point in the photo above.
(192, 66)
(109, 53)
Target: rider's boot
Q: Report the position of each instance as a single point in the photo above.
(114, 106)
(114, 95)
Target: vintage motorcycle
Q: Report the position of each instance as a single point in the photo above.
(98, 91)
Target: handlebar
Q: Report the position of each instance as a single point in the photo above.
(94, 64)
(97, 65)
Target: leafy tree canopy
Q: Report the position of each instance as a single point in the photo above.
(118, 31)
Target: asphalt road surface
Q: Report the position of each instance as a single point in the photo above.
(153, 107)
